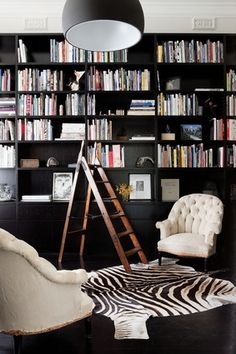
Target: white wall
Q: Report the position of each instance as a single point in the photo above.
(160, 16)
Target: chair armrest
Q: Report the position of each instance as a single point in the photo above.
(212, 229)
(165, 228)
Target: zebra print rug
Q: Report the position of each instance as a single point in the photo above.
(153, 290)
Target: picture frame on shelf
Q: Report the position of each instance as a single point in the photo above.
(141, 184)
(191, 131)
(62, 185)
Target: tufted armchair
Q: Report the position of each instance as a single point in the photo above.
(34, 296)
(191, 227)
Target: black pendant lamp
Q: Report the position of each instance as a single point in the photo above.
(103, 25)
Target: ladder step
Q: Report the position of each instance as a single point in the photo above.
(133, 251)
(76, 231)
(117, 215)
(102, 181)
(124, 233)
(108, 199)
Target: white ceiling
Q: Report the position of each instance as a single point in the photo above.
(161, 16)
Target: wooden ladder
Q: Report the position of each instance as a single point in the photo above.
(113, 217)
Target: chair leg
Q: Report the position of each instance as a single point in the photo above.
(17, 344)
(159, 257)
(205, 264)
(88, 330)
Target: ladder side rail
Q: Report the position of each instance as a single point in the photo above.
(124, 219)
(106, 216)
(70, 204)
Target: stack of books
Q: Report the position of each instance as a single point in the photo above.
(142, 107)
(7, 106)
(37, 198)
(72, 131)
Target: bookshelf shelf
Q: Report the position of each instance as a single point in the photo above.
(203, 93)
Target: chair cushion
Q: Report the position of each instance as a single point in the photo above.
(186, 244)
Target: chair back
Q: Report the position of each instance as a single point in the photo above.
(192, 213)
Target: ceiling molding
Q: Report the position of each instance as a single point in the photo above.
(160, 16)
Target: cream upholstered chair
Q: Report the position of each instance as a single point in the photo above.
(191, 227)
(35, 297)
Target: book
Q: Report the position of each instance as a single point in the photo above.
(170, 189)
(36, 197)
(143, 137)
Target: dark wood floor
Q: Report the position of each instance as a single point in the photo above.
(211, 332)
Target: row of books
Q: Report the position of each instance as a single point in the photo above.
(38, 129)
(231, 105)
(118, 80)
(100, 129)
(7, 156)
(7, 130)
(64, 52)
(46, 105)
(141, 107)
(231, 156)
(22, 52)
(7, 106)
(5, 80)
(189, 156)
(231, 80)
(178, 104)
(190, 51)
(217, 129)
(72, 131)
(108, 155)
(107, 56)
(33, 79)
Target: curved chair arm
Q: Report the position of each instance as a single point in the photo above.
(43, 266)
(212, 229)
(165, 228)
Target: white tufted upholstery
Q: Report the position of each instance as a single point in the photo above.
(34, 296)
(191, 227)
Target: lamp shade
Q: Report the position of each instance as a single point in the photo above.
(102, 25)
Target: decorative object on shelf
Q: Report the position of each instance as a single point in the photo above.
(173, 84)
(143, 161)
(6, 192)
(167, 135)
(29, 163)
(210, 108)
(62, 184)
(52, 162)
(170, 189)
(141, 184)
(124, 190)
(98, 26)
(75, 85)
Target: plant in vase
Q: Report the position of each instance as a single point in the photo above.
(124, 190)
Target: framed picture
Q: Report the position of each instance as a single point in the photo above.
(191, 131)
(141, 184)
(62, 184)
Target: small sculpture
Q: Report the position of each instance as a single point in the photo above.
(143, 160)
(74, 85)
(52, 162)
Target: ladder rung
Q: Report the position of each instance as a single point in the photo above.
(107, 199)
(102, 181)
(124, 233)
(132, 251)
(76, 231)
(117, 215)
